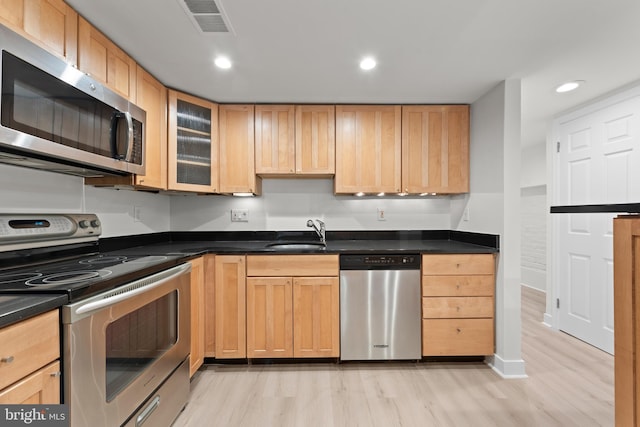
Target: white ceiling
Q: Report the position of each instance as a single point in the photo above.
(428, 51)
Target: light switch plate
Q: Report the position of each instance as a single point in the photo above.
(239, 215)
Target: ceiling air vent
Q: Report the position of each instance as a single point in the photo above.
(207, 16)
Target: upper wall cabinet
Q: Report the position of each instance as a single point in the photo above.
(295, 141)
(50, 23)
(315, 140)
(237, 164)
(435, 149)
(103, 60)
(193, 144)
(368, 147)
(275, 139)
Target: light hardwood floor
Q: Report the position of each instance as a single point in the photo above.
(569, 383)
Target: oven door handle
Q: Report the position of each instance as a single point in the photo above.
(129, 290)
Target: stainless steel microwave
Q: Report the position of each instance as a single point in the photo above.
(55, 117)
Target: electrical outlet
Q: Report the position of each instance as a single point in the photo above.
(137, 214)
(239, 215)
(381, 215)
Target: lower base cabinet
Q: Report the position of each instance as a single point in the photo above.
(29, 364)
(197, 315)
(458, 304)
(293, 306)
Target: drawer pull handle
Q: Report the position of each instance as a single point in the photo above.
(56, 374)
(458, 308)
(6, 359)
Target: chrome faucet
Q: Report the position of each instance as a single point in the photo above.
(319, 231)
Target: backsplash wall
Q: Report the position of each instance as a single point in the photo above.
(25, 190)
(287, 204)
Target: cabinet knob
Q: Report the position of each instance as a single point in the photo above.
(6, 359)
(458, 308)
(459, 330)
(56, 374)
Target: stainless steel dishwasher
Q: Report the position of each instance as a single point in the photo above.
(380, 307)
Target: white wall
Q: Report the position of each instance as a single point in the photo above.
(27, 190)
(494, 207)
(287, 204)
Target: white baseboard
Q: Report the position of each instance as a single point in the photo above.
(548, 320)
(536, 279)
(507, 369)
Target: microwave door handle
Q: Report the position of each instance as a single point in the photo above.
(130, 144)
(115, 122)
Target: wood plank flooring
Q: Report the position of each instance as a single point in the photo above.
(570, 383)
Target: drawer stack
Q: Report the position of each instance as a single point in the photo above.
(458, 304)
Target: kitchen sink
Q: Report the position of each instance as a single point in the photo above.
(296, 246)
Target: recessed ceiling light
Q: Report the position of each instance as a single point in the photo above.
(569, 86)
(368, 63)
(222, 62)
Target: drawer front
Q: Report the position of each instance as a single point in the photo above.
(292, 265)
(457, 307)
(457, 337)
(458, 264)
(40, 388)
(480, 285)
(27, 346)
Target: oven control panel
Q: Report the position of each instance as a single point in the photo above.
(379, 262)
(25, 229)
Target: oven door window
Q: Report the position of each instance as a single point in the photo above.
(136, 340)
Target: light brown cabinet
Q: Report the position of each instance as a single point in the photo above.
(50, 23)
(269, 317)
(29, 366)
(435, 149)
(315, 140)
(230, 307)
(368, 149)
(275, 139)
(197, 315)
(103, 60)
(193, 144)
(293, 306)
(458, 304)
(626, 302)
(209, 305)
(237, 150)
(295, 141)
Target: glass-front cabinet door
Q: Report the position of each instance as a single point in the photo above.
(193, 144)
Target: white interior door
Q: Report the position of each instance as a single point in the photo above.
(598, 163)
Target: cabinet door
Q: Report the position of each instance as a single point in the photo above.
(230, 312)
(368, 147)
(274, 139)
(315, 140)
(435, 149)
(237, 160)
(40, 388)
(269, 317)
(316, 317)
(104, 61)
(197, 314)
(152, 97)
(209, 306)
(50, 23)
(193, 144)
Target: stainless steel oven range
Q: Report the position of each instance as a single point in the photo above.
(125, 330)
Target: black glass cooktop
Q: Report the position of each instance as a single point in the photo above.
(83, 276)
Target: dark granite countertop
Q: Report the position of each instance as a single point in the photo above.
(14, 308)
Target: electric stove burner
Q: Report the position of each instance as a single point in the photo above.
(151, 258)
(104, 259)
(68, 277)
(17, 277)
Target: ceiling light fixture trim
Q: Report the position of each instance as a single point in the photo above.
(569, 86)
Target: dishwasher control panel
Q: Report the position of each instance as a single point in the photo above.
(379, 262)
